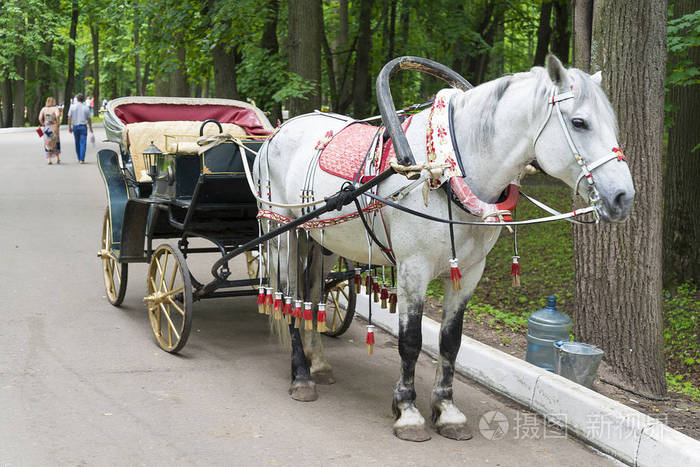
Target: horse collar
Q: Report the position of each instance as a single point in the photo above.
(442, 147)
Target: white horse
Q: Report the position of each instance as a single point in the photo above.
(500, 127)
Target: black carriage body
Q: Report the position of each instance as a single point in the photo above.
(203, 195)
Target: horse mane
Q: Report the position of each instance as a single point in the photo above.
(482, 101)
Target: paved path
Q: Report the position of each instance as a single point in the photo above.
(82, 382)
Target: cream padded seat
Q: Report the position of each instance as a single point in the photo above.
(137, 137)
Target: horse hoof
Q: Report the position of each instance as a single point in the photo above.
(323, 377)
(456, 432)
(412, 433)
(304, 392)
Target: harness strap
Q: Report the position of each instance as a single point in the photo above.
(611, 156)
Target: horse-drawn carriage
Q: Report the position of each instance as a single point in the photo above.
(455, 163)
(184, 191)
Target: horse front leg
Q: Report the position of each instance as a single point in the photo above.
(447, 419)
(410, 424)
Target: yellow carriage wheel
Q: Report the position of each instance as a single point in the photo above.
(169, 298)
(115, 273)
(340, 303)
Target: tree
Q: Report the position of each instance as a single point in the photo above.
(618, 267)
(70, 76)
(561, 35)
(305, 18)
(544, 31)
(682, 168)
(362, 92)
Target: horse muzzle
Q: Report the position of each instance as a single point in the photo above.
(617, 206)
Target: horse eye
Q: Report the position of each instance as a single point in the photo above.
(579, 123)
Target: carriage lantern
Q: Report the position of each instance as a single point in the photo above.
(151, 157)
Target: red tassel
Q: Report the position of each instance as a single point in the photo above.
(297, 313)
(308, 317)
(455, 275)
(357, 280)
(261, 300)
(368, 284)
(370, 339)
(287, 311)
(269, 299)
(375, 289)
(321, 318)
(515, 271)
(277, 307)
(393, 298)
(384, 295)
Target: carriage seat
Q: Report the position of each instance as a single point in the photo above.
(180, 137)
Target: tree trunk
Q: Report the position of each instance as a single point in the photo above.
(270, 44)
(18, 90)
(34, 93)
(583, 27)
(343, 59)
(178, 77)
(561, 35)
(162, 85)
(618, 266)
(269, 38)
(362, 92)
(70, 77)
(682, 172)
(7, 103)
(305, 51)
(146, 77)
(137, 55)
(392, 31)
(544, 31)
(95, 33)
(225, 83)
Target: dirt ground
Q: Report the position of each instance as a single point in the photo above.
(679, 412)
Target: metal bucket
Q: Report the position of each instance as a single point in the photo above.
(577, 361)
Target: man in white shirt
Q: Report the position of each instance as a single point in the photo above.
(78, 122)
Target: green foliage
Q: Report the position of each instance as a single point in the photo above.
(683, 33)
(497, 318)
(676, 383)
(682, 329)
(263, 74)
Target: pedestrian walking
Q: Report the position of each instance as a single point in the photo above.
(78, 122)
(49, 119)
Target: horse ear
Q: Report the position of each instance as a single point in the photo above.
(597, 77)
(556, 71)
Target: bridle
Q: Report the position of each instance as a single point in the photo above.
(586, 169)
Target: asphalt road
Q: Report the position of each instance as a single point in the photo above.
(83, 383)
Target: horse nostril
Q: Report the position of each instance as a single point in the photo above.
(622, 201)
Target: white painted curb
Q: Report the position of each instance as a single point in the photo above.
(610, 426)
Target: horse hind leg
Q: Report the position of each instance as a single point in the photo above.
(321, 370)
(447, 419)
(302, 387)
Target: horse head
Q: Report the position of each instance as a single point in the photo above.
(576, 140)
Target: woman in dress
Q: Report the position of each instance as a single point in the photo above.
(49, 119)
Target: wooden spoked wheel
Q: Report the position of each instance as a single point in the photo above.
(169, 298)
(115, 273)
(340, 303)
